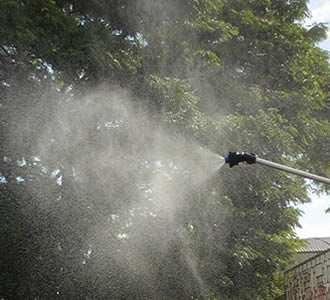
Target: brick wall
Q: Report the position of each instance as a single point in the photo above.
(309, 280)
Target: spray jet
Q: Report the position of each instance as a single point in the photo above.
(234, 158)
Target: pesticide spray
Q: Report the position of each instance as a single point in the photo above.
(234, 158)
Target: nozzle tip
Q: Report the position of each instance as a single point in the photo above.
(234, 158)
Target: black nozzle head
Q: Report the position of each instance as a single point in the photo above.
(234, 158)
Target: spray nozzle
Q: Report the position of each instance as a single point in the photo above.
(234, 158)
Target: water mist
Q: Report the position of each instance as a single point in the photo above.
(127, 181)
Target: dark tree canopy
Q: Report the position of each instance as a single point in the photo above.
(104, 107)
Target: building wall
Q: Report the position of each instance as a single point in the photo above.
(309, 280)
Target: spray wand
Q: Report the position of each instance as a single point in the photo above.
(234, 158)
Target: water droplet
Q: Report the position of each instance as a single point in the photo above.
(20, 179)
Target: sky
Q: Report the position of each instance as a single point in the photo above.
(320, 12)
(315, 222)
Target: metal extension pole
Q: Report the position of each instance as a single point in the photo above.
(292, 170)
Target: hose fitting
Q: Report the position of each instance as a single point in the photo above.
(234, 158)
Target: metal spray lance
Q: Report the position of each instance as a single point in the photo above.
(234, 158)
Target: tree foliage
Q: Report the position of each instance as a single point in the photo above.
(227, 75)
